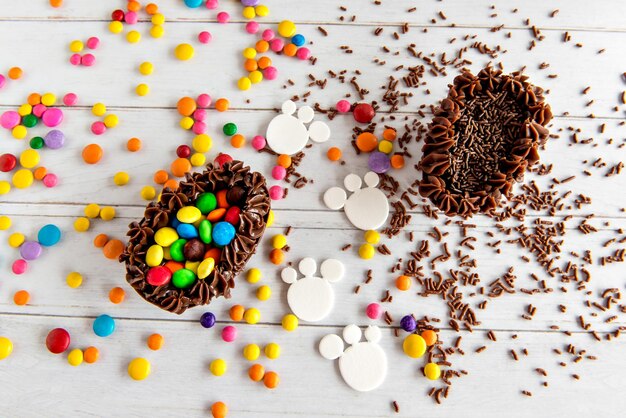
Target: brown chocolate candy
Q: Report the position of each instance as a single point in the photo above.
(235, 196)
(194, 250)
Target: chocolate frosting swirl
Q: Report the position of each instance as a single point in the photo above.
(253, 220)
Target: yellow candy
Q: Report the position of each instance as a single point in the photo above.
(142, 89)
(372, 237)
(139, 368)
(76, 46)
(272, 351)
(290, 322)
(253, 275)
(92, 210)
(432, 371)
(249, 53)
(6, 347)
(166, 253)
(158, 19)
(286, 29)
(252, 316)
(184, 52)
(29, 158)
(218, 367)
(244, 83)
(74, 280)
(111, 121)
(157, 31)
(248, 12)
(146, 68)
(107, 213)
(5, 187)
(48, 99)
(385, 146)
(279, 241)
(202, 143)
(186, 123)
(99, 109)
(116, 27)
(165, 236)
(251, 352)
(121, 178)
(414, 346)
(197, 159)
(5, 223)
(81, 224)
(188, 214)
(193, 266)
(255, 76)
(22, 178)
(16, 239)
(25, 109)
(148, 192)
(264, 292)
(270, 218)
(19, 132)
(262, 10)
(205, 268)
(75, 357)
(366, 251)
(154, 255)
(133, 37)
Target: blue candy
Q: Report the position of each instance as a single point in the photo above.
(175, 222)
(223, 233)
(103, 326)
(187, 231)
(298, 40)
(49, 235)
(193, 3)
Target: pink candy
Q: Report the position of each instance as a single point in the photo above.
(277, 44)
(75, 59)
(204, 100)
(279, 172)
(252, 27)
(229, 333)
(199, 127)
(39, 110)
(200, 114)
(52, 117)
(276, 192)
(19, 266)
(98, 128)
(258, 142)
(70, 99)
(10, 119)
(343, 106)
(212, 4)
(374, 311)
(268, 35)
(3, 81)
(88, 60)
(223, 17)
(270, 73)
(303, 53)
(204, 37)
(93, 42)
(131, 17)
(50, 180)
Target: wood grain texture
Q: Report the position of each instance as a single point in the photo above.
(36, 37)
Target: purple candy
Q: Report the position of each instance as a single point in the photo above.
(30, 250)
(408, 323)
(52, 117)
(250, 2)
(10, 119)
(379, 162)
(54, 139)
(207, 320)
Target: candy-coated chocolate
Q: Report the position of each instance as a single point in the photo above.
(232, 215)
(235, 195)
(194, 250)
(414, 346)
(49, 235)
(432, 371)
(165, 236)
(176, 250)
(139, 369)
(188, 214)
(6, 347)
(158, 276)
(7, 162)
(408, 323)
(229, 333)
(187, 231)
(154, 255)
(183, 278)
(205, 231)
(30, 250)
(207, 320)
(205, 268)
(19, 266)
(223, 233)
(36, 142)
(54, 139)
(103, 325)
(374, 311)
(58, 340)
(363, 113)
(52, 117)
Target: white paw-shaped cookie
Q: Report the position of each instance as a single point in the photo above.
(287, 134)
(367, 208)
(363, 365)
(312, 298)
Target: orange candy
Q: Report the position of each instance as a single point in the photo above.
(222, 105)
(333, 154)
(284, 160)
(173, 266)
(216, 214)
(117, 295)
(271, 380)
(100, 240)
(389, 134)
(133, 144)
(161, 176)
(366, 142)
(277, 256)
(92, 153)
(40, 173)
(222, 202)
(214, 253)
(238, 141)
(264, 62)
(290, 50)
(21, 297)
(155, 342)
(134, 6)
(113, 249)
(430, 337)
(56, 3)
(250, 65)
(236, 312)
(15, 73)
(91, 355)
(152, 9)
(171, 183)
(256, 372)
(180, 166)
(219, 410)
(262, 46)
(186, 106)
(34, 99)
(403, 283)
(397, 161)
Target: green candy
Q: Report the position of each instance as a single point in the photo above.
(230, 129)
(206, 202)
(176, 250)
(204, 230)
(36, 142)
(183, 278)
(29, 121)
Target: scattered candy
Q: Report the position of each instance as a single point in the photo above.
(139, 369)
(57, 340)
(103, 325)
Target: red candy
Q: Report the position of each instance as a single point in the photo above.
(118, 15)
(7, 162)
(58, 340)
(232, 215)
(363, 113)
(183, 151)
(158, 276)
(222, 159)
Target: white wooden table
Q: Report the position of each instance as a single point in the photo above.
(36, 383)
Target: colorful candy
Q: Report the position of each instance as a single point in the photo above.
(58, 340)
(6, 347)
(139, 368)
(103, 325)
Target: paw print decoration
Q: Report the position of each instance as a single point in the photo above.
(312, 298)
(287, 134)
(363, 365)
(367, 208)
